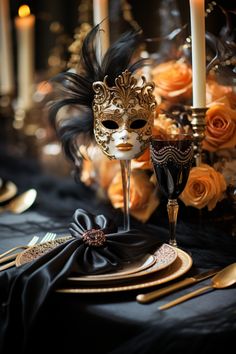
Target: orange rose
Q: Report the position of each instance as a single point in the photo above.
(88, 175)
(98, 169)
(173, 80)
(142, 162)
(164, 126)
(220, 132)
(205, 187)
(143, 200)
(215, 91)
(107, 169)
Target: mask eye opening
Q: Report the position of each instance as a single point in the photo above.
(110, 124)
(138, 124)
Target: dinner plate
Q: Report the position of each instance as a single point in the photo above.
(179, 267)
(128, 269)
(7, 191)
(164, 256)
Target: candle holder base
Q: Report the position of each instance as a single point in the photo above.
(6, 119)
(198, 125)
(26, 125)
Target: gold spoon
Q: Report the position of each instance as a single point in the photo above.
(21, 203)
(7, 191)
(222, 279)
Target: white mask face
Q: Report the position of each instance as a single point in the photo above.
(123, 143)
(123, 117)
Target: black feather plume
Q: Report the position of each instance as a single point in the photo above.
(74, 92)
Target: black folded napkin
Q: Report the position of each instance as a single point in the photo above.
(96, 247)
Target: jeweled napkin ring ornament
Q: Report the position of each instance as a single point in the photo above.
(94, 238)
(91, 229)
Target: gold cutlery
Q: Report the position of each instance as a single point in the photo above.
(5, 257)
(156, 294)
(223, 279)
(8, 265)
(7, 191)
(11, 256)
(20, 203)
(5, 254)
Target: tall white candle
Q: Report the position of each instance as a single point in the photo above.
(6, 57)
(25, 24)
(197, 15)
(100, 13)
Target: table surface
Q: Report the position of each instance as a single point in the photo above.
(114, 322)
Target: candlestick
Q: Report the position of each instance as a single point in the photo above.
(100, 13)
(6, 67)
(197, 15)
(25, 23)
(198, 126)
(197, 12)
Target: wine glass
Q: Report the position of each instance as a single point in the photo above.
(172, 158)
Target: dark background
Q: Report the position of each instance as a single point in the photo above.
(148, 14)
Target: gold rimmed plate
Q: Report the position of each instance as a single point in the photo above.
(7, 191)
(130, 268)
(164, 256)
(179, 267)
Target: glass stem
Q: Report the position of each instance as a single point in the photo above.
(125, 173)
(172, 209)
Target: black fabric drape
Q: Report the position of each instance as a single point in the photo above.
(31, 284)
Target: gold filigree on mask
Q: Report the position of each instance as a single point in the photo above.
(126, 94)
(128, 105)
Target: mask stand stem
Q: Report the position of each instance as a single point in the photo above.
(125, 173)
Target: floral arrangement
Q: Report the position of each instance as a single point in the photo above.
(207, 183)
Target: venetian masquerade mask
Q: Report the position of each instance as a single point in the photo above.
(123, 116)
(101, 109)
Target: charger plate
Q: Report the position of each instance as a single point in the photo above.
(162, 258)
(179, 267)
(7, 191)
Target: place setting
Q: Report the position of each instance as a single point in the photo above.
(162, 264)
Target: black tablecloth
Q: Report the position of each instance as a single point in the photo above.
(115, 323)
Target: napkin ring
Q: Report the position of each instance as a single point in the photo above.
(94, 238)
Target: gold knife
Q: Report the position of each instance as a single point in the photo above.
(156, 294)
